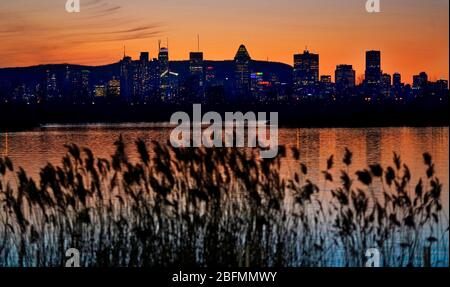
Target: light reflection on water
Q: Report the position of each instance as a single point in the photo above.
(33, 149)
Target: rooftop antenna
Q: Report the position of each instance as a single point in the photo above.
(159, 45)
(167, 43)
(124, 51)
(198, 43)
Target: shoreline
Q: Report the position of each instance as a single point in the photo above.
(159, 125)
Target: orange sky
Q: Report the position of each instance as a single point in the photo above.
(413, 35)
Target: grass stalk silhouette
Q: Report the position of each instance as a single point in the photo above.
(217, 207)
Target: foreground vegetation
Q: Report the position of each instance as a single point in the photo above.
(217, 207)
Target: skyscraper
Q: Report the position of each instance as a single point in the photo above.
(373, 68)
(85, 84)
(126, 78)
(144, 57)
(420, 84)
(164, 72)
(196, 64)
(195, 84)
(113, 90)
(397, 80)
(420, 81)
(373, 76)
(386, 85)
(326, 87)
(306, 70)
(100, 91)
(51, 86)
(142, 89)
(242, 71)
(210, 76)
(344, 77)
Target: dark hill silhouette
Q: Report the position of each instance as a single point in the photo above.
(223, 69)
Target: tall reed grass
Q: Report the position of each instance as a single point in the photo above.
(217, 207)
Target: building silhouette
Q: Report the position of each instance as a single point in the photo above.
(164, 73)
(344, 77)
(196, 80)
(196, 64)
(373, 76)
(126, 78)
(386, 85)
(306, 74)
(242, 73)
(113, 88)
(373, 68)
(397, 80)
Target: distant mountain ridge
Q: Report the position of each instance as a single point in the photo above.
(223, 69)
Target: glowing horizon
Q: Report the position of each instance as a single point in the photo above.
(412, 35)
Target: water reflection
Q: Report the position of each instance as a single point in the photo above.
(33, 149)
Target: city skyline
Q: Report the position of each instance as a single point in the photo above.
(412, 35)
(359, 74)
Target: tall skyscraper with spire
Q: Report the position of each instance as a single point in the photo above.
(242, 72)
(164, 72)
(196, 63)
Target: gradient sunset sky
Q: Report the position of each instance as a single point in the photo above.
(413, 35)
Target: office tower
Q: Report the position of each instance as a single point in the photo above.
(144, 57)
(306, 70)
(259, 85)
(344, 77)
(113, 88)
(85, 84)
(442, 84)
(326, 87)
(100, 91)
(373, 75)
(242, 72)
(386, 84)
(142, 78)
(386, 80)
(325, 79)
(51, 85)
(164, 73)
(440, 90)
(67, 84)
(210, 76)
(163, 60)
(420, 81)
(126, 78)
(154, 80)
(196, 81)
(76, 87)
(196, 64)
(420, 84)
(397, 80)
(373, 68)
(398, 91)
